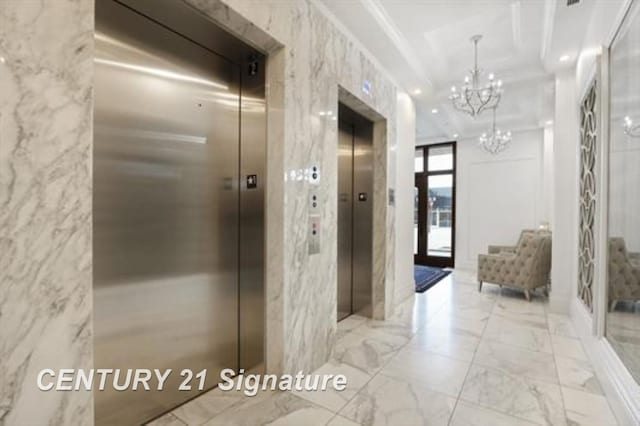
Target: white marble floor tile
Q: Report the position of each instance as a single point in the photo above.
(470, 312)
(332, 399)
(384, 329)
(342, 421)
(167, 420)
(415, 312)
(516, 361)
(209, 405)
(513, 300)
(533, 400)
(455, 324)
(509, 361)
(467, 414)
(503, 330)
(277, 409)
(445, 342)
(470, 299)
(587, 409)
(524, 319)
(366, 353)
(349, 323)
(567, 347)
(437, 372)
(527, 313)
(577, 374)
(561, 325)
(387, 401)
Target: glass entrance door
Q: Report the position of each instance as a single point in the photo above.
(434, 209)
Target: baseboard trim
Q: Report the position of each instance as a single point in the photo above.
(618, 384)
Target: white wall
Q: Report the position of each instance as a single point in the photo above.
(547, 176)
(565, 210)
(497, 195)
(600, 28)
(406, 140)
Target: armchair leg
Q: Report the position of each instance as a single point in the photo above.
(527, 295)
(479, 286)
(612, 305)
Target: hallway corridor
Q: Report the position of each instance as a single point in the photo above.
(450, 356)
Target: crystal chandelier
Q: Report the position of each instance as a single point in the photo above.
(496, 141)
(630, 129)
(473, 98)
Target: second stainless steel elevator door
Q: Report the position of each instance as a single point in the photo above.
(169, 188)
(355, 213)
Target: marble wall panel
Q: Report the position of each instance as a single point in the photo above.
(45, 206)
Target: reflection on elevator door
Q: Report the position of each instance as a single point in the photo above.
(172, 211)
(355, 213)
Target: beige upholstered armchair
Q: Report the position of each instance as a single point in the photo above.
(493, 249)
(526, 266)
(624, 273)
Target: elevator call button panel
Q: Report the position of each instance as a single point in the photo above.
(314, 174)
(314, 210)
(252, 181)
(314, 233)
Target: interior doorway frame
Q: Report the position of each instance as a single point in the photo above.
(422, 184)
(355, 219)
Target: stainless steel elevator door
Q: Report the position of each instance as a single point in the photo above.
(362, 217)
(355, 213)
(166, 210)
(345, 218)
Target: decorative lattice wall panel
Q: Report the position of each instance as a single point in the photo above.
(587, 196)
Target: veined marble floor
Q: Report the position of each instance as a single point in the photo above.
(450, 356)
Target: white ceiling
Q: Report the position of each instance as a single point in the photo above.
(425, 45)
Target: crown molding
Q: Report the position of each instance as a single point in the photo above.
(400, 42)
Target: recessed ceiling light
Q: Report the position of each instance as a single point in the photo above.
(455, 135)
(434, 111)
(2, 60)
(417, 91)
(564, 58)
(549, 122)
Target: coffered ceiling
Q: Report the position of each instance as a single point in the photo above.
(425, 45)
